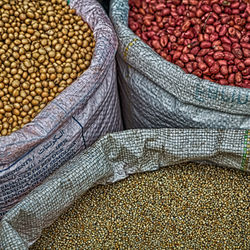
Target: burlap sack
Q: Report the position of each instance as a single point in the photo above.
(82, 113)
(112, 158)
(157, 94)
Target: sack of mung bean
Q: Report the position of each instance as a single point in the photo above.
(156, 93)
(113, 158)
(52, 46)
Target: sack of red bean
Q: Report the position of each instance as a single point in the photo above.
(58, 88)
(183, 63)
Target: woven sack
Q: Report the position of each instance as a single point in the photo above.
(113, 158)
(73, 121)
(157, 94)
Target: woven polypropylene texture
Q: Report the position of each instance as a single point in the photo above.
(156, 93)
(83, 112)
(112, 158)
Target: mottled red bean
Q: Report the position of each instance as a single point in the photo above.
(208, 38)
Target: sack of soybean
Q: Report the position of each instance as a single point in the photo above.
(156, 93)
(113, 158)
(77, 117)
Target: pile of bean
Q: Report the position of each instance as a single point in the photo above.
(44, 47)
(179, 207)
(208, 38)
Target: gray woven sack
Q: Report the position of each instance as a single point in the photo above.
(156, 93)
(113, 158)
(73, 121)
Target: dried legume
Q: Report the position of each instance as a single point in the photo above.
(186, 206)
(207, 38)
(44, 47)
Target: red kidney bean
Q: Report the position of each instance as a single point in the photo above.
(223, 82)
(174, 46)
(203, 52)
(206, 8)
(234, 39)
(213, 37)
(164, 41)
(245, 39)
(235, 11)
(165, 12)
(150, 34)
(246, 84)
(206, 37)
(246, 72)
(226, 47)
(218, 48)
(228, 56)
(210, 20)
(144, 37)
(210, 29)
(199, 13)
(219, 76)
(247, 61)
(245, 45)
(235, 5)
(222, 62)
(195, 50)
(156, 44)
(177, 33)
(205, 45)
(155, 28)
(189, 67)
(224, 39)
(230, 69)
(195, 65)
(209, 60)
(191, 57)
(235, 69)
(188, 34)
(186, 25)
(180, 10)
(216, 43)
(134, 26)
(215, 68)
(238, 77)
(246, 52)
(163, 54)
(231, 31)
(169, 58)
(216, 8)
(225, 19)
(218, 55)
(202, 66)
(176, 55)
(241, 66)
(231, 78)
(160, 6)
(155, 37)
(223, 30)
(227, 10)
(237, 52)
(200, 37)
(184, 58)
(224, 70)
(180, 63)
(207, 78)
(180, 41)
(198, 72)
(242, 6)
